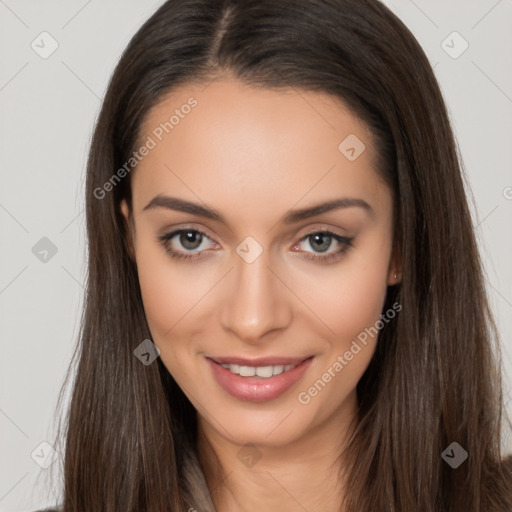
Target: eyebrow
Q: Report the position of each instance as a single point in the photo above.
(294, 216)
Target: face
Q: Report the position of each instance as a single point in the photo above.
(263, 307)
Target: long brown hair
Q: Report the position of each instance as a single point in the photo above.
(435, 377)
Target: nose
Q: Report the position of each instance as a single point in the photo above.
(256, 300)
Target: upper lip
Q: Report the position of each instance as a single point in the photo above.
(259, 361)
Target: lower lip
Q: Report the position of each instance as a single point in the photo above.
(257, 389)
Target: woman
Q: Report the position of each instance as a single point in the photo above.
(279, 242)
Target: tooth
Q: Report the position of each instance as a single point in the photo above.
(260, 371)
(264, 371)
(279, 368)
(247, 371)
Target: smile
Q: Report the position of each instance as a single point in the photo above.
(259, 381)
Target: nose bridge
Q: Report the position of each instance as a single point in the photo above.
(255, 300)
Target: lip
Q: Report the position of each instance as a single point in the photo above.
(258, 361)
(257, 389)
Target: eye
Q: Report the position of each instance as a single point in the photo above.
(191, 240)
(321, 241)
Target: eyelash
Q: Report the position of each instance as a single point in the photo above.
(346, 243)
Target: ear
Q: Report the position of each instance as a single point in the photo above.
(129, 227)
(394, 270)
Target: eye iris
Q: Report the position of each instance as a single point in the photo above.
(325, 241)
(190, 239)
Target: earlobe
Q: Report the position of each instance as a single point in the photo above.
(125, 210)
(129, 228)
(394, 272)
(395, 276)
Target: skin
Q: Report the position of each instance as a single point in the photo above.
(254, 155)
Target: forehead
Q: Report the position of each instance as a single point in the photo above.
(228, 139)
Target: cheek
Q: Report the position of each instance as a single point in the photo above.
(168, 292)
(357, 303)
(350, 304)
(349, 299)
(178, 299)
(166, 298)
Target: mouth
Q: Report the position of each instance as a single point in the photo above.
(258, 379)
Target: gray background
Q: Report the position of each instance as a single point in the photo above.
(47, 110)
